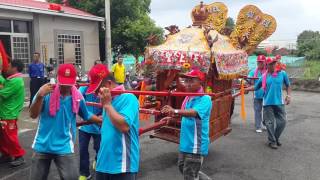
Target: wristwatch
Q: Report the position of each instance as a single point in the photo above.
(176, 112)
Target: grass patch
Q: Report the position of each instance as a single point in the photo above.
(311, 69)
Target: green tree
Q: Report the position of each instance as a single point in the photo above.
(55, 1)
(230, 23)
(308, 43)
(307, 36)
(258, 52)
(131, 26)
(229, 26)
(314, 51)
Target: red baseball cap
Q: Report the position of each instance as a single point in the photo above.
(261, 58)
(270, 60)
(96, 74)
(278, 57)
(195, 74)
(67, 75)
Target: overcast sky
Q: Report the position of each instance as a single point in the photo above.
(293, 16)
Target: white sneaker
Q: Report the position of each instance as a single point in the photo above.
(263, 127)
(258, 130)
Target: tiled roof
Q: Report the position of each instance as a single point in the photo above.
(44, 7)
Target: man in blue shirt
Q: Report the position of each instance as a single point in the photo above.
(273, 102)
(36, 74)
(118, 157)
(194, 134)
(258, 95)
(96, 74)
(54, 141)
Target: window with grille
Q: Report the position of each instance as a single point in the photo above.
(16, 38)
(69, 38)
(21, 52)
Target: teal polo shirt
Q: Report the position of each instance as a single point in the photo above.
(274, 85)
(119, 152)
(194, 134)
(57, 134)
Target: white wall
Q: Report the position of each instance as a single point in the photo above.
(90, 36)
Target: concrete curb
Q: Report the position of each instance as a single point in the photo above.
(305, 85)
(305, 90)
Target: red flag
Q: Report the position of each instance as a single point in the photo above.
(3, 58)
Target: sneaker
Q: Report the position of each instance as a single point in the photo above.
(273, 146)
(5, 159)
(85, 177)
(258, 130)
(278, 143)
(263, 127)
(17, 162)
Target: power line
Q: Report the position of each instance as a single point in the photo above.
(294, 39)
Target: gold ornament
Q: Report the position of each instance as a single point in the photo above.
(252, 28)
(213, 16)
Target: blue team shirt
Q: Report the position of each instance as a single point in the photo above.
(94, 128)
(36, 70)
(119, 152)
(56, 135)
(258, 94)
(194, 134)
(273, 93)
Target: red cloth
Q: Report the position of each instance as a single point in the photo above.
(9, 142)
(4, 57)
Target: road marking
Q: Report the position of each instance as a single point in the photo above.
(15, 173)
(21, 131)
(29, 120)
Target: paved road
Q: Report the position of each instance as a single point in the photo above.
(242, 155)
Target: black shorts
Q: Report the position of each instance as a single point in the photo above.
(122, 176)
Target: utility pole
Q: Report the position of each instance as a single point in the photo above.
(108, 34)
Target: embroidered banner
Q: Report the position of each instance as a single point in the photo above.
(231, 65)
(189, 46)
(230, 62)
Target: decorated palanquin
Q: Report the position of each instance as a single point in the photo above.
(208, 47)
(204, 44)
